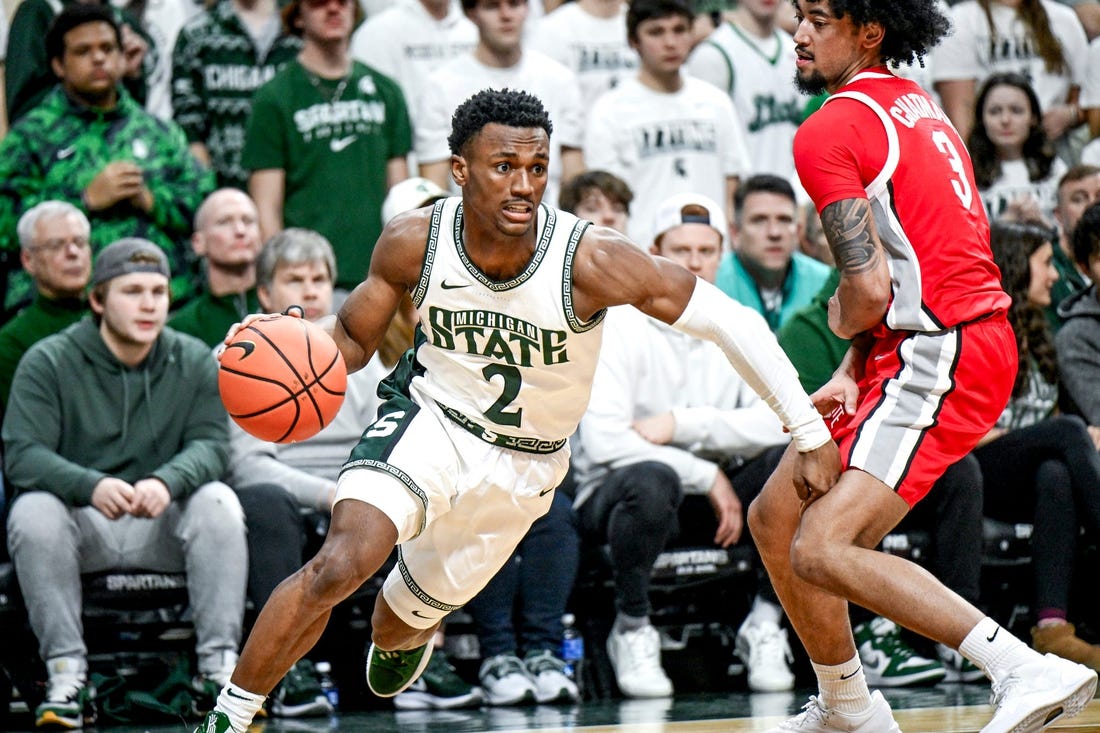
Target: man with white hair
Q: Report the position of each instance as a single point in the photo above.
(669, 419)
(54, 250)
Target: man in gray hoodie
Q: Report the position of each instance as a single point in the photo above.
(114, 439)
(1078, 341)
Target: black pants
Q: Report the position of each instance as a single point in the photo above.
(635, 512)
(1047, 474)
(275, 538)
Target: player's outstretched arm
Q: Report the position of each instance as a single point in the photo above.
(395, 267)
(861, 299)
(611, 271)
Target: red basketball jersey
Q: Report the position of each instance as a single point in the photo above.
(884, 139)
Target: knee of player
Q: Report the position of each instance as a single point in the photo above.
(813, 558)
(332, 575)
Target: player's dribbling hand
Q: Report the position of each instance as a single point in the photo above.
(295, 311)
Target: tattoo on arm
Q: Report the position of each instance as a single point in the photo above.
(847, 226)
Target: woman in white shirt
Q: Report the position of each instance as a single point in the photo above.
(1014, 163)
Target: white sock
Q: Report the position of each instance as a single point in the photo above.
(843, 686)
(994, 650)
(763, 612)
(240, 706)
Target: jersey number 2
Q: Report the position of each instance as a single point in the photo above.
(959, 184)
(512, 383)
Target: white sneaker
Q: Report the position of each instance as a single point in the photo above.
(506, 682)
(1038, 693)
(816, 718)
(551, 682)
(764, 649)
(636, 659)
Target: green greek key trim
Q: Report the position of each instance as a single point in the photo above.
(511, 442)
(541, 248)
(387, 468)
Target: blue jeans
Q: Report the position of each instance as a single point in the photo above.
(532, 588)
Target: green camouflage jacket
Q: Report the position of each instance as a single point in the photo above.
(56, 150)
(216, 67)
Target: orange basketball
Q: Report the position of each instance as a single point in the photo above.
(282, 379)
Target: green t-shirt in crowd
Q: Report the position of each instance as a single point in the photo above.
(208, 317)
(333, 138)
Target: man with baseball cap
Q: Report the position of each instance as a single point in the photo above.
(668, 420)
(114, 440)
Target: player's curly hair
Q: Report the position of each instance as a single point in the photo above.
(509, 107)
(1013, 243)
(912, 27)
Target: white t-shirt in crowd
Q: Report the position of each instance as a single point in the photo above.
(969, 51)
(1090, 90)
(1014, 183)
(457, 80)
(163, 20)
(595, 49)
(407, 44)
(666, 143)
(758, 74)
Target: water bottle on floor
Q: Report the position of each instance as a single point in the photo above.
(328, 685)
(572, 650)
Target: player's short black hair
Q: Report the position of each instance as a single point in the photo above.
(912, 27)
(1086, 237)
(642, 10)
(74, 16)
(508, 107)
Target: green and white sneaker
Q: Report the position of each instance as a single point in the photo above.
(215, 722)
(389, 673)
(299, 694)
(890, 662)
(68, 705)
(439, 688)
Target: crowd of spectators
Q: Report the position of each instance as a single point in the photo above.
(169, 168)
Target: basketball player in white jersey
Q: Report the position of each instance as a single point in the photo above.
(471, 440)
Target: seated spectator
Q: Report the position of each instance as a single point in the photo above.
(1077, 190)
(600, 197)
(114, 441)
(667, 418)
(1040, 40)
(28, 72)
(765, 269)
(221, 57)
(1014, 164)
(227, 238)
(1044, 465)
(1078, 342)
(89, 143)
(54, 251)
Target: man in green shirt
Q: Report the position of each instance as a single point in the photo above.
(89, 143)
(327, 138)
(227, 236)
(54, 251)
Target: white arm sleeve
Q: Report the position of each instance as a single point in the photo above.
(744, 337)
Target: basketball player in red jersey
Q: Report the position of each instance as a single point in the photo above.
(930, 368)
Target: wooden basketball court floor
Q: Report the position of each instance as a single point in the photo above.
(941, 709)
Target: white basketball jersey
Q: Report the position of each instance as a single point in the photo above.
(505, 359)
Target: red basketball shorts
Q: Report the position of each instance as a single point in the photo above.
(925, 401)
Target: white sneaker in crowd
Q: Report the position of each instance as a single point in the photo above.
(764, 649)
(1040, 692)
(551, 682)
(816, 718)
(506, 682)
(636, 659)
